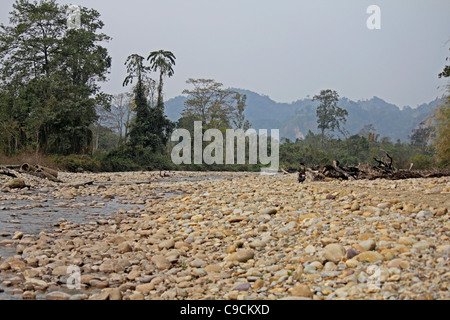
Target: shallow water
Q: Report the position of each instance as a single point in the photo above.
(34, 212)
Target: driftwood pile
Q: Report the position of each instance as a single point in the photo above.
(384, 170)
(37, 171)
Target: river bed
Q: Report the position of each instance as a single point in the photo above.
(29, 212)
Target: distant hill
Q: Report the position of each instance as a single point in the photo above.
(295, 119)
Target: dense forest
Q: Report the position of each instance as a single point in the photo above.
(53, 111)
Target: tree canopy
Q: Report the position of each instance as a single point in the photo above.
(50, 75)
(151, 128)
(441, 118)
(215, 106)
(329, 115)
(162, 61)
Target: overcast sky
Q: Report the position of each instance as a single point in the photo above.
(285, 49)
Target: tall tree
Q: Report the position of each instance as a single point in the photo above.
(162, 61)
(49, 75)
(421, 135)
(141, 131)
(151, 128)
(329, 115)
(442, 139)
(81, 62)
(441, 119)
(215, 106)
(121, 115)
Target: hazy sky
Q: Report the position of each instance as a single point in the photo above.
(286, 49)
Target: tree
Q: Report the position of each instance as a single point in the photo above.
(162, 61)
(141, 131)
(215, 106)
(104, 118)
(150, 128)
(81, 63)
(329, 115)
(121, 110)
(151, 92)
(136, 69)
(441, 118)
(421, 135)
(238, 116)
(446, 72)
(49, 76)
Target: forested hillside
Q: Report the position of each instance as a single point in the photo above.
(295, 119)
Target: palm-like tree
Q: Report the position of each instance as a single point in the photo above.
(139, 133)
(162, 61)
(135, 69)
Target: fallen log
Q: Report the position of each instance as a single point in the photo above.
(44, 175)
(40, 172)
(47, 170)
(26, 168)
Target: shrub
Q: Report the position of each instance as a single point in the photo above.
(422, 161)
(119, 160)
(77, 163)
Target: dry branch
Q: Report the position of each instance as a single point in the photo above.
(384, 170)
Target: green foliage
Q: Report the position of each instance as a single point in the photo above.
(214, 106)
(151, 128)
(49, 74)
(442, 131)
(353, 151)
(126, 158)
(162, 61)
(442, 118)
(329, 115)
(77, 163)
(50, 97)
(119, 160)
(107, 139)
(422, 161)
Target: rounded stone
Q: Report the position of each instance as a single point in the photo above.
(241, 255)
(301, 290)
(334, 252)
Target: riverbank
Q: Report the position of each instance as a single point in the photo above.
(236, 236)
